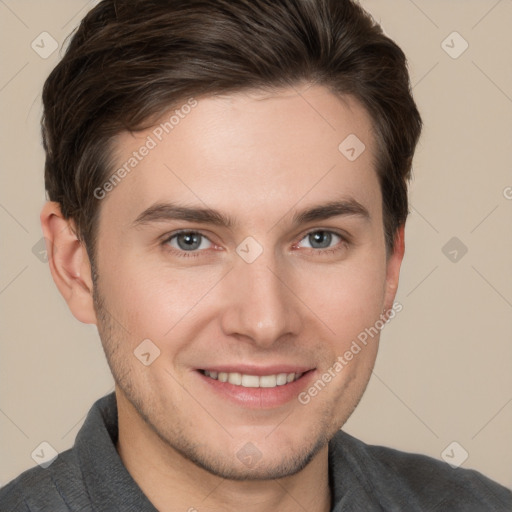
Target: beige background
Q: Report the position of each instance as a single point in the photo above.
(444, 368)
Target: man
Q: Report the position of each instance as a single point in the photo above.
(228, 195)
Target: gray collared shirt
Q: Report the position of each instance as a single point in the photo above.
(363, 478)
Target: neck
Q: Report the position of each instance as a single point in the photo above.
(173, 483)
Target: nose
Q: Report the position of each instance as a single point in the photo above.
(260, 304)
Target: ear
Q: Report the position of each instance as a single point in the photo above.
(69, 262)
(393, 265)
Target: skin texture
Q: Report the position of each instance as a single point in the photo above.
(258, 158)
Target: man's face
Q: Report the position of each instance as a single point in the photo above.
(210, 302)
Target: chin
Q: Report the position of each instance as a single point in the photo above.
(249, 463)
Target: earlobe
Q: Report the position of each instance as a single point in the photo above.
(393, 267)
(69, 262)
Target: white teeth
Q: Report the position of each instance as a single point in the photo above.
(281, 379)
(250, 381)
(254, 381)
(235, 378)
(268, 381)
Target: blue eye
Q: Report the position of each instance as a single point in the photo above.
(188, 241)
(193, 243)
(321, 239)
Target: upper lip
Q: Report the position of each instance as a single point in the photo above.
(259, 371)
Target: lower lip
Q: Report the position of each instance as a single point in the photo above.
(258, 398)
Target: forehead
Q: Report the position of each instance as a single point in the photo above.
(250, 152)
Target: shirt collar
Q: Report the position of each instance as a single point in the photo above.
(107, 481)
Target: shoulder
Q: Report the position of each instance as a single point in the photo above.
(54, 488)
(417, 478)
(453, 487)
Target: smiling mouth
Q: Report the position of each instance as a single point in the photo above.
(253, 381)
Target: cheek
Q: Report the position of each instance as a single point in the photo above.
(347, 298)
(149, 299)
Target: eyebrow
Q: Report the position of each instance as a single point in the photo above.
(163, 212)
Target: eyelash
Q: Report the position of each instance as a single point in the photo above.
(194, 254)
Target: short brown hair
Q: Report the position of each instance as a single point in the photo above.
(131, 61)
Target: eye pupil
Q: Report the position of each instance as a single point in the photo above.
(189, 241)
(320, 239)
